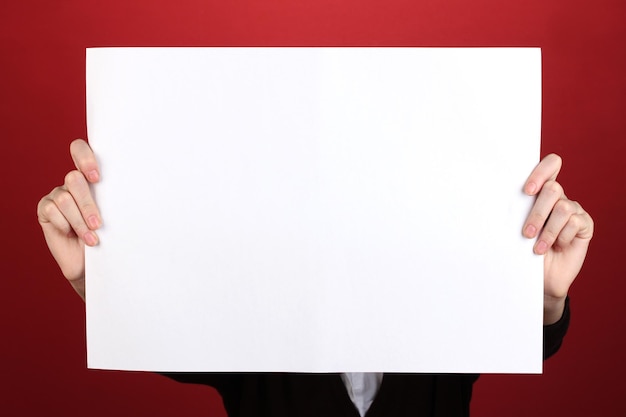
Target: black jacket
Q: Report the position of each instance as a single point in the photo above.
(324, 395)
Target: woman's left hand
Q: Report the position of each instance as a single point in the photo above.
(563, 230)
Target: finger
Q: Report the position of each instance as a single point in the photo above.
(559, 219)
(68, 208)
(572, 229)
(580, 226)
(85, 160)
(551, 192)
(48, 213)
(547, 170)
(78, 187)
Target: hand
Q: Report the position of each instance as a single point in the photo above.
(69, 216)
(564, 230)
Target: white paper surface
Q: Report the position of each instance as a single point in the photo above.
(314, 209)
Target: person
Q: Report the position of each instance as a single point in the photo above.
(70, 219)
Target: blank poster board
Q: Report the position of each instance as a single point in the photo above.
(314, 209)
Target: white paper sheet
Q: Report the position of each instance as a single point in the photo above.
(314, 209)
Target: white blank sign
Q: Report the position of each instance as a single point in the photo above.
(314, 209)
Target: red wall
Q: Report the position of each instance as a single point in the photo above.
(42, 109)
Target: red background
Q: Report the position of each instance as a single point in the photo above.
(42, 109)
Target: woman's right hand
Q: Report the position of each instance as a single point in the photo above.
(69, 216)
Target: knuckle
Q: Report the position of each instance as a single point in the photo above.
(56, 191)
(590, 222)
(564, 208)
(48, 208)
(45, 208)
(577, 207)
(553, 187)
(577, 222)
(73, 178)
(63, 199)
(42, 202)
(584, 224)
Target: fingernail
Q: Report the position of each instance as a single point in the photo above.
(90, 239)
(542, 247)
(531, 187)
(93, 176)
(530, 231)
(93, 222)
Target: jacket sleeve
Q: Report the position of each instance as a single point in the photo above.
(553, 334)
